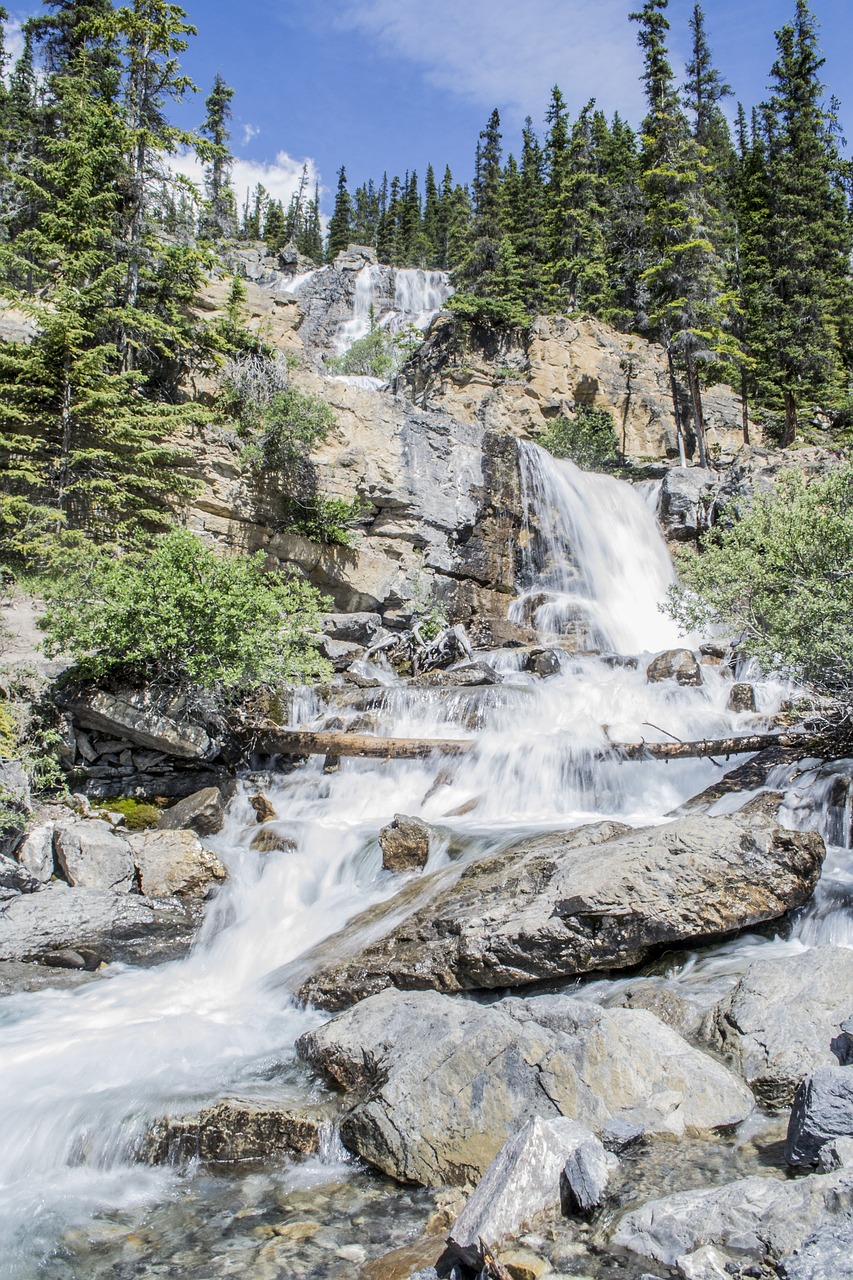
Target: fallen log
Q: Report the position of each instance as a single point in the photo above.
(303, 742)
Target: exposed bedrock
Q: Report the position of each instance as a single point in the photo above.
(600, 897)
(437, 1085)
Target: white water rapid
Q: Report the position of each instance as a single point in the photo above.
(418, 297)
(85, 1071)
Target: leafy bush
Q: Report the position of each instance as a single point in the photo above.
(327, 520)
(588, 438)
(781, 579)
(181, 612)
(379, 354)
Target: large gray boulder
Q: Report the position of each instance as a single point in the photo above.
(440, 1084)
(405, 844)
(822, 1110)
(235, 1129)
(202, 812)
(156, 721)
(522, 1181)
(124, 927)
(782, 1020)
(601, 897)
(755, 1216)
(35, 853)
(680, 665)
(687, 501)
(174, 863)
(91, 856)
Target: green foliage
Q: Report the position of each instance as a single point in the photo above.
(216, 622)
(28, 732)
(138, 815)
(379, 354)
(588, 438)
(326, 520)
(780, 579)
(279, 423)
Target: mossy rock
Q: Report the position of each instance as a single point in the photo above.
(138, 815)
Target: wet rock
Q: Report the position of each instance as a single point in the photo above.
(543, 662)
(822, 1110)
(471, 676)
(441, 1084)
(354, 628)
(600, 897)
(405, 844)
(264, 808)
(340, 652)
(586, 1176)
(235, 1129)
(741, 698)
(676, 1008)
(679, 665)
(268, 840)
(686, 504)
(67, 959)
(522, 1181)
(90, 855)
(707, 1263)
(147, 719)
(755, 1216)
(202, 812)
(174, 863)
(18, 977)
(118, 927)
(782, 1020)
(825, 1255)
(620, 1133)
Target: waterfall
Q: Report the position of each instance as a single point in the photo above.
(85, 1071)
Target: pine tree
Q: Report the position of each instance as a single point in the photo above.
(524, 217)
(624, 219)
(275, 227)
(310, 239)
(219, 216)
(340, 223)
(807, 233)
(432, 220)
(577, 269)
(487, 228)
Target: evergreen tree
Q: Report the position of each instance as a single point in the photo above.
(524, 208)
(275, 227)
(310, 239)
(624, 219)
(340, 223)
(487, 228)
(432, 220)
(577, 269)
(219, 216)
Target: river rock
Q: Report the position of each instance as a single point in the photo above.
(91, 856)
(441, 1084)
(707, 1263)
(174, 863)
(825, 1255)
(119, 927)
(741, 698)
(405, 844)
(263, 807)
(202, 812)
(235, 1129)
(600, 897)
(35, 853)
(754, 1216)
(782, 1020)
(522, 1181)
(679, 665)
(354, 628)
(822, 1110)
(585, 1176)
(471, 676)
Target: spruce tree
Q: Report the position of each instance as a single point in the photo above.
(487, 230)
(340, 223)
(219, 214)
(432, 220)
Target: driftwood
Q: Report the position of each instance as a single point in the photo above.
(301, 742)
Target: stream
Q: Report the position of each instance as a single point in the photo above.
(86, 1071)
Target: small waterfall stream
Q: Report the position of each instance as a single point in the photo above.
(85, 1071)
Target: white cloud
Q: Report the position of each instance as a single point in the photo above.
(250, 131)
(507, 54)
(14, 42)
(281, 177)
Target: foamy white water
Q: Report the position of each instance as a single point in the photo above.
(84, 1072)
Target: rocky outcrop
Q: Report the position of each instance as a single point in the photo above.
(440, 1084)
(516, 383)
(138, 718)
(825, 1255)
(782, 1020)
(755, 1216)
(600, 897)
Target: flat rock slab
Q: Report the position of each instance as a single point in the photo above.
(782, 1020)
(127, 927)
(600, 897)
(759, 1217)
(438, 1085)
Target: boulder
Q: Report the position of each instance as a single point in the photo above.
(707, 1263)
(354, 628)
(822, 1110)
(825, 1255)
(174, 863)
(585, 1176)
(837, 1154)
(202, 812)
(158, 722)
(235, 1129)
(15, 878)
(35, 853)
(543, 662)
(269, 840)
(599, 897)
(679, 665)
(470, 676)
(16, 785)
(782, 1020)
(263, 807)
(89, 855)
(742, 698)
(405, 844)
(686, 504)
(340, 652)
(522, 1181)
(118, 927)
(440, 1084)
(755, 1216)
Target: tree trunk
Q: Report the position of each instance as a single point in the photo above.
(744, 401)
(790, 420)
(698, 415)
(673, 386)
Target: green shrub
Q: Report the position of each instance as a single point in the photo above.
(138, 815)
(326, 520)
(182, 612)
(780, 578)
(379, 354)
(497, 313)
(588, 438)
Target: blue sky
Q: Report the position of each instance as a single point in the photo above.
(394, 84)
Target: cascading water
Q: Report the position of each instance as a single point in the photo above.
(85, 1072)
(417, 297)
